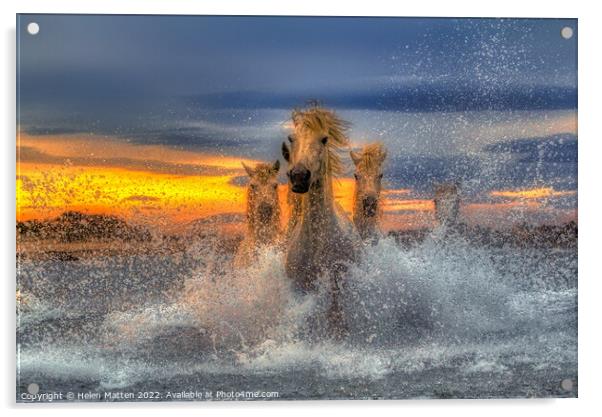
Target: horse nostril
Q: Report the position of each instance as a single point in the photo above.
(299, 177)
(300, 174)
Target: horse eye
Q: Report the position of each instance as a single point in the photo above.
(253, 187)
(291, 138)
(380, 177)
(356, 177)
(324, 140)
(275, 186)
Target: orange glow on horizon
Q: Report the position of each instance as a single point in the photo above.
(101, 149)
(44, 193)
(409, 205)
(503, 206)
(396, 192)
(534, 193)
(96, 175)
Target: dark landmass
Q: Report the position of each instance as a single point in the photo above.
(200, 226)
(73, 235)
(73, 226)
(523, 235)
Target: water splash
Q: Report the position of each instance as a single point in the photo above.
(440, 309)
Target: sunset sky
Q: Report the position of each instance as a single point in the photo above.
(149, 117)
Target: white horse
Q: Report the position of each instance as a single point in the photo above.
(367, 207)
(323, 239)
(263, 212)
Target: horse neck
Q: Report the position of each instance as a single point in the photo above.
(263, 233)
(295, 202)
(318, 203)
(366, 226)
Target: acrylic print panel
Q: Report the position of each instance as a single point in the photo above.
(290, 208)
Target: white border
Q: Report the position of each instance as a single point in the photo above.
(590, 137)
(506, 8)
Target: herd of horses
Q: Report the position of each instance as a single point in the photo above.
(320, 240)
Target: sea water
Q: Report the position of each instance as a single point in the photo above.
(443, 319)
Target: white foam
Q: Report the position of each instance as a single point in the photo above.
(441, 304)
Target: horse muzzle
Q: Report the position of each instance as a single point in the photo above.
(370, 206)
(299, 177)
(265, 211)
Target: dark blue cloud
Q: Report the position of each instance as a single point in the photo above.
(108, 73)
(421, 173)
(429, 63)
(553, 149)
(533, 162)
(549, 160)
(426, 97)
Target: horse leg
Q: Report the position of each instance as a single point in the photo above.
(337, 326)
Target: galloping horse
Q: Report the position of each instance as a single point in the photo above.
(447, 204)
(323, 240)
(367, 207)
(263, 211)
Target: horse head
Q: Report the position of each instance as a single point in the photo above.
(262, 192)
(312, 156)
(368, 178)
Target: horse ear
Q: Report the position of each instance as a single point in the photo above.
(286, 153)
(276, 166)
(248, 169)
(355, 157)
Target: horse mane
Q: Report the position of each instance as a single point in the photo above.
(317, 119)
(372, 155)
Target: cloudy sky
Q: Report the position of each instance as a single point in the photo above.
(180, 100)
